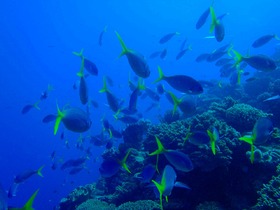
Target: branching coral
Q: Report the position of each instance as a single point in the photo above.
(139, 205)
(94, 204)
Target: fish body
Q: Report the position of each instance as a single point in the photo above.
(148, 173)
(167, 37)
(181, 83)
(73, 163)
(202, 19)
(155, 54)
(202, 57)
(163, 53)
(27, 174)
(217, 26)
(136, 61)
(181, 54)
(223, 61)
(263, 40)
(83, 90)
(100, 38)
(199, 138)
(273, 98)
(261, 62)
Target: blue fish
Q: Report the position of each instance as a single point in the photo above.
(262, 131)
(263, 40)
(89, 65)
(22, 177)
(181, 83)
(136, 61)
(148, 173)
(202, 19)
(217, 26)
(167, 37)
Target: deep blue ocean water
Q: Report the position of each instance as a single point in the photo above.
(37, 40)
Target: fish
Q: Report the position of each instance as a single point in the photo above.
(147, 173)
(227, 69)
(202, 57)
(262, 131)
(259, 62)
(186, 103)
(128, 119)
(181, 83)
(134, 97)
(202, 19)
(45, 93)
(272, 98)
(89, 65)
(112, 100)
(155, 54)
(75, 170)
(264, 40)
(167, 183)
(182, 47)
(49, 118)
(198, 138)
(136, 61)
(251, 79)
(152, 94)
(74, 163)
(221, 17)
(3, 199)
(110, 81)
(29, 204)
(22, 177)
(217, 26)
(109, 167)
(28, 107)
(12, 190)
(178, 159)
(73, 118)
(83, 89)
(160, 89)
(214, 138)
(167, 37)
(163, 53)
(182, 52)
(100, 38)
(223, 61)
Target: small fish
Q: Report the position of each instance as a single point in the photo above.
(273, 98)
(198, 138)
(45, 93)
(100, 39)
(155, 54)
(186, 104)
(181, 83)
(136, 61)
(182, 47)
(163, 53)
(202, 57)
(74, 163)
(83, 89)
(217, 26)
(134, 97)
(49, 118)
(28, 107)
(27, 174)
(74, 119)
(264, 40)
(12, 191)
(110, 167)
(202, 19)
(167, 37)
(147, 173)
(182, 52)
(112, 100)
(89, 65)
(262, 131)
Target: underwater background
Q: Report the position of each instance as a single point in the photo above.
(37, 41)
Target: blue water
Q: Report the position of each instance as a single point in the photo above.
(37, 39)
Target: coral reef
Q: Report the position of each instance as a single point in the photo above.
(94, 204)
(139, 205)
(243, 116)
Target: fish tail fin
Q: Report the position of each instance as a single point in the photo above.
(248, 139)
(238, 57)
(252, 157)
(116, 115)
(239, 73)
(124, 48)
(160, 189)
(81, 72)
(214, 19)
(39, 171)
(110, 133)
(190, 47)
(79, 54)
(161, 75)
(276, 37)
(58, 119)
(123, 162)
(176, 102)
(212, 141)
(187, 137)
(104, 89)
(29, 204)
(177, 33)
(105, 28)
(36, 105)
(141, 85)
(229, 50)
(160, 149)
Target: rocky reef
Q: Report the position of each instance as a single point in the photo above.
(226, 180)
